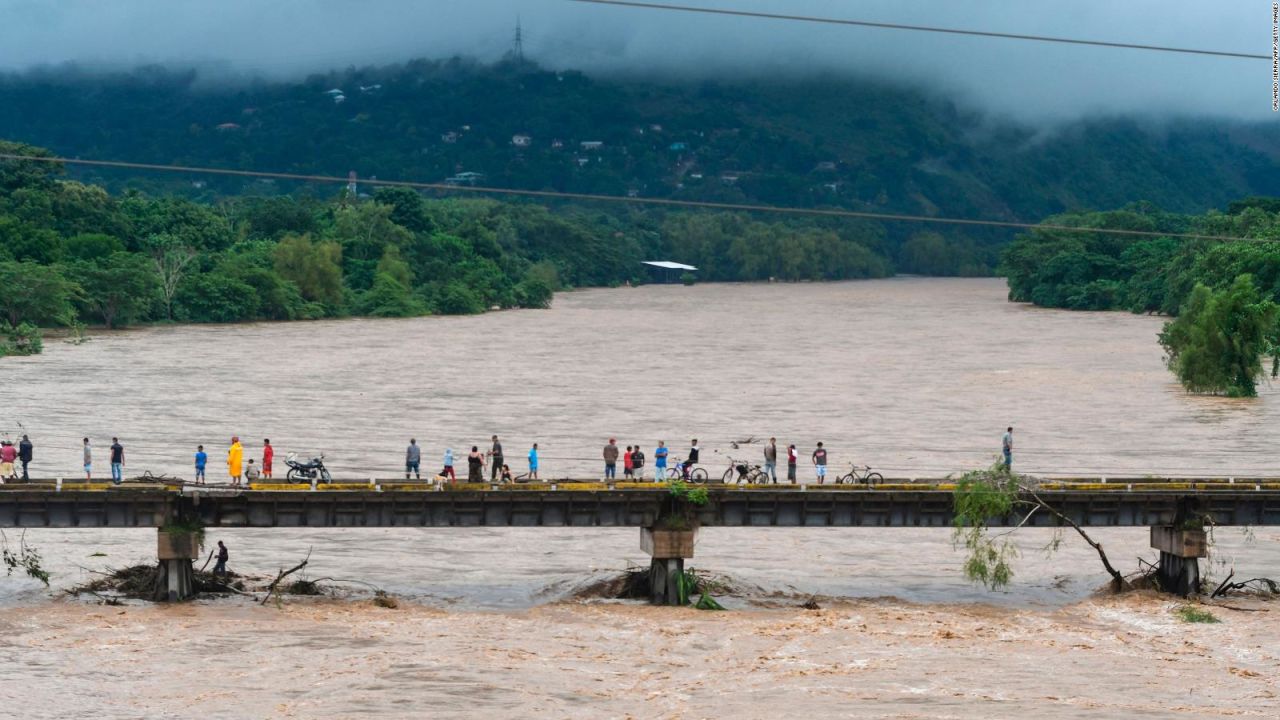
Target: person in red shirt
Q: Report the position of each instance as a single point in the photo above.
(792, 457)
(8, 453)
(268, 452)
(628, 469)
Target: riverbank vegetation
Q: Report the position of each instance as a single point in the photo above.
(71, 252)
(1223, 293)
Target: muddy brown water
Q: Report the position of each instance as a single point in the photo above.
(915, 377)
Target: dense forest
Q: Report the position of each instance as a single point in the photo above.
(808, 142)
(1226, 293)
(73, 253)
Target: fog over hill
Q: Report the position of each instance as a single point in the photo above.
(1026, 80)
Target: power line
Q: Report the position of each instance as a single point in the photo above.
(665, 202)
(919, 28)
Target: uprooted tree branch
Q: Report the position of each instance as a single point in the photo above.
(982, 495)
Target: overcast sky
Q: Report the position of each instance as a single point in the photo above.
(1032, 81)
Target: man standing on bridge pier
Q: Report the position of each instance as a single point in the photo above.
(611, 460)
(496, 453)
(235, 460)
(24, 455)
(268, 456)
(1006, 444)
(413, 459)
(117, 461)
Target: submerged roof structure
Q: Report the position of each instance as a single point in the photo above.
(668, 265)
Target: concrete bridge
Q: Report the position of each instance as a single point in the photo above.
(1167, 506)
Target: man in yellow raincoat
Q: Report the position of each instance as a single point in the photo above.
(235, 460)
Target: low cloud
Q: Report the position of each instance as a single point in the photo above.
(1030, 81)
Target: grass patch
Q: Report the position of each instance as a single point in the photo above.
(1192, 614)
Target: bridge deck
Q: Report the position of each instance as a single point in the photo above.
(1125, 502)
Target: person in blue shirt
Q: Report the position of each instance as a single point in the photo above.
(201, 460)
(660, 462)
(533, 463)
(448, 466)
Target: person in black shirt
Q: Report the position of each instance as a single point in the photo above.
(223, 557)
(496, 455)
(475, 465)
(24, 455)
(117, 461)
(692, 460)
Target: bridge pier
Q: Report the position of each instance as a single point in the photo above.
(1179, 569)
(668, 550)
(175, 578)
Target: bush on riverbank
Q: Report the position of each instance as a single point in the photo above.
(25, 339)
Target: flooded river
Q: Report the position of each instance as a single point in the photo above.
(916, 377)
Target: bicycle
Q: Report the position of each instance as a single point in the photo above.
(860, 475)
(696, 474)
(739, 473)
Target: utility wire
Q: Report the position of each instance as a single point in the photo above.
(665, 202)
(918, 28)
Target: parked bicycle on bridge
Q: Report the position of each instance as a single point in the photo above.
(860, 475)
(740, 472)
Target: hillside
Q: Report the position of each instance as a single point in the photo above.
(813, 142)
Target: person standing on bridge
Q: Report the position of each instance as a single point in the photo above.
(771, 460)
(235, 460)
(251, 473)
(25, 449)
(793, 458)
(412, 459)
(448, 466)
(820, 463)
(8, 454)
(1006, 444)
(117, 461)
(628, 464)
(611, 460)
(496, 457)
(533, 463)
(475, 465)
(637, 462)
(660, 462)
(202, 459)
(268, 454)
(88, 461)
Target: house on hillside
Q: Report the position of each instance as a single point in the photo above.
(591, 145)
(557, 144)
(521, 140)
(450, 137)
(825, 166)
(224, 127)
(678, 147)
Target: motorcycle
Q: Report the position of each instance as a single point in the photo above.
(313, 469)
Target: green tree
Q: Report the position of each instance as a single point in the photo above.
(35, 294)
(119, 289)
(316, 268)
(216, 297)
(1217, 343)
(390, 298)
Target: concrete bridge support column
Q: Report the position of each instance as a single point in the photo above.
(669, 549)
(1179, 570)
(175, 579)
